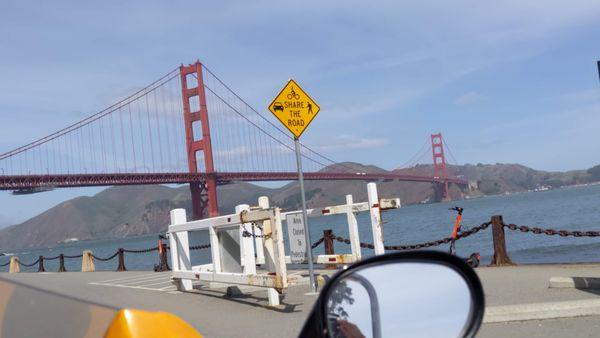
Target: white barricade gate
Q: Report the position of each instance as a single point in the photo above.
(254, 236)
(374, 206)
(350, 209)
(233, 259)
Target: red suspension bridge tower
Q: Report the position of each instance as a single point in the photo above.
(199, 149)
(439, 166)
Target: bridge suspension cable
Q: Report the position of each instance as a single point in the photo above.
(274, 127)
(107, 141)
(413, 160)
(143, 133)
(447, 145)
(141, 139)
(153, 86)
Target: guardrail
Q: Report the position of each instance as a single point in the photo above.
(500, 253)
(88, 259)
(228, 256)
(374, 206)
(254, 236)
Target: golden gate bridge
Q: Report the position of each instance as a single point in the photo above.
(186, 127)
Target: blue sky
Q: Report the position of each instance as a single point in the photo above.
(508, 81)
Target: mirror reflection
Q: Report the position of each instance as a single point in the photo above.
(399, 300)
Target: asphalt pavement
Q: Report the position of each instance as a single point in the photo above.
(520, 288)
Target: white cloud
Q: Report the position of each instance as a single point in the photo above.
(376, 104)
(579, 97)
(535, 140)
(348, 142)
(468, 98)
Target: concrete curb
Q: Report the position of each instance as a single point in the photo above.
(575, 282)
(537, 311)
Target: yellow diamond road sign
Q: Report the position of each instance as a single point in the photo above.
(294, 108)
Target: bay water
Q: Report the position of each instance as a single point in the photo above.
(570, 208)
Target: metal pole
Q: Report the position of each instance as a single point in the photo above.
(311, 271)
(375, 317)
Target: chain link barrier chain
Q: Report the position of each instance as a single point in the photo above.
(141, 250)
(246, 233)
(446, 240)
(463, 234)
(107, 258)
(552, 232)
(28, 265)
(104, 259)
(200, 247)
(317, 243)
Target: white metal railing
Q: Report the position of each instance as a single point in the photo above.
(266, 247)
(184, 273)
(374, 206)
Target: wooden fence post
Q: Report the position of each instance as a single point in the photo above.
(87, 262)
(500, 257)
(61, 267)
(121, 266)
(328, 245)
(14, 265)
(41, 265)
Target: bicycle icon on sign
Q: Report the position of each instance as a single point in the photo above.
(293, 94)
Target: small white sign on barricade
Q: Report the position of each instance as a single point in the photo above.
(296, 236)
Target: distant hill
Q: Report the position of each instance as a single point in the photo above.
(115, 212)
(5, 221)
(133, 210)
(500, 178)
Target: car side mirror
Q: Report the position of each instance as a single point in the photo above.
(410, 294)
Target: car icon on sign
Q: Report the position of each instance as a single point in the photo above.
(277, 106)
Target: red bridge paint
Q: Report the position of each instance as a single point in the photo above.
(208, 200)
(439, 163)
(86, 180)
(140, 140)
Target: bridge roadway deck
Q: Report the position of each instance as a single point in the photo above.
(216, 315)
(8, 182)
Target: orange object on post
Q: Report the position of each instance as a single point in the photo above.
(459, 212)
(456, 226)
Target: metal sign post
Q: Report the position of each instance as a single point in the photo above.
(311, 270)
(296, 110)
